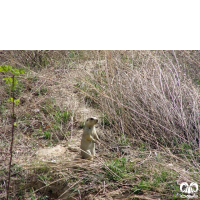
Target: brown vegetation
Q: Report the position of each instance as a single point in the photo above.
(148, 105)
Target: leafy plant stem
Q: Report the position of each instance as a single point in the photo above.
(12, 136)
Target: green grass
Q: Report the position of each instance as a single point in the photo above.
(62, 116)
(3, 108)
(149, 176)
(118, 166)
(47, 134)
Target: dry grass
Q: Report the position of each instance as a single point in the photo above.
(148, 102)
(155, 99)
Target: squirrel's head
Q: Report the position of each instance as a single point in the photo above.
(91, 121)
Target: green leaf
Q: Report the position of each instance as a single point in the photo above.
(10, 99)
(8, 79)
(17, 102)
(5, 68)
(16, 82)
(14, 71)
(15, 124)
(1, 69)
(21, 71)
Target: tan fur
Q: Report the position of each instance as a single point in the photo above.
(89, 138)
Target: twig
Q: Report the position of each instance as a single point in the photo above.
(70, 187)
(144, 160)
(12, 137)
(104, 187)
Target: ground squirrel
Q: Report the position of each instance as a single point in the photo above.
(89, 138)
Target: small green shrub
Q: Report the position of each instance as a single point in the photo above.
(11, 82)
(47, 134)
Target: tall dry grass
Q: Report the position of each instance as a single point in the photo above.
(148, 95)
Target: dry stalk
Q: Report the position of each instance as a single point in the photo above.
(70, 188)
(12, 138)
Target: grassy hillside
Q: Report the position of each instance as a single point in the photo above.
(147, 103)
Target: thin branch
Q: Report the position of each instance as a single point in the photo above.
(12, 136)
